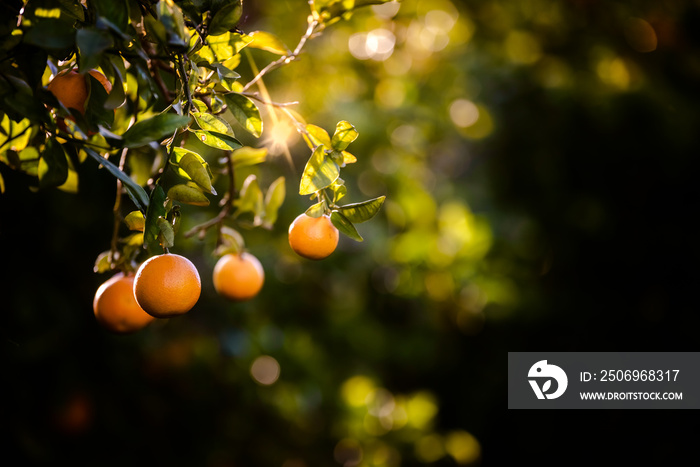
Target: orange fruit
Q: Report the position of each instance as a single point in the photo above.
(115, 306)
(167, 285)
(238, 277)
(313, 237)
(70, 88)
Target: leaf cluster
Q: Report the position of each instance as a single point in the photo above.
(172, 66)
(321, 178)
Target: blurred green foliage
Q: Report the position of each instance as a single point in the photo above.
(535, 156)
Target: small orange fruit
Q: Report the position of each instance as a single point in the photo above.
(70, 88)
(115, 306)
(313, 237)
(238, 277)
(167, 285)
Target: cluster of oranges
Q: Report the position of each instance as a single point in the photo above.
(169, 285)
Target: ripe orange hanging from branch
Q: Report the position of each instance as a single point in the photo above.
(238, 277)
(313, 237)
(116, 308)
(71, 89)
(167, 285)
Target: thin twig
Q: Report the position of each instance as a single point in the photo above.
(256, 96)
(167, 95)
(185, 84)
(115, 209)
(285, 59)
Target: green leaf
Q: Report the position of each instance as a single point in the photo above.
(53, 166)
(247, 156)
(231, 241)
(273, 201)
(193, 166)
(135, 221)
(226, 76)
(170, 16)
(225, 46)
(348, 158)
(28, 160)
(133, 240)
(156, 210)
(209, 122)
(201, 106)
(166, 236)
(225, 19)
(155, 30)
(190, 9)
(344, 134)
(217, 140)
(95, 111)
(319, 172)
(15, 135)
(115, 11)
(24, 105)
(246, 112)
(102, 262)
(117, 96)
(339, 190)
(71, 183)
(337, 157)
(72, 9)
(316, 210)
(269, 42)
(344, 225)
(188, 193)
(318, 135)
(153, 129)
(136, 192)
(55, 35)
(92, 43)
(362, 212)
(251, 197)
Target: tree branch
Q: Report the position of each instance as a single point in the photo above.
(115, 210)
(225, 210)
(285, 59)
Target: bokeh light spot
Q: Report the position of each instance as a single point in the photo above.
(522, 47)
(463, 447)
(265, 370)
(377, 44)
(348, 452)
(614, 72)
(390, 93)
(464, 113)
(439, 21)
(356, 389)
(429, 448)
(375, 426)
(439, 285)
(380, 402)
(421, 408)
(482, 128)
(386, 10)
